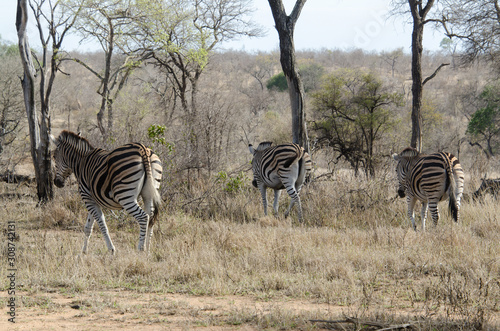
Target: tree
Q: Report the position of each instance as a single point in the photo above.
(58, 24)
(391, 58)
(11, 101)
(179, 37)
(285, 25)
(419, 11)
(476, 24)
(353, 111)
(110, 22)
(484, 125)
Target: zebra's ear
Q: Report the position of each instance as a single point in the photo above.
(264, 145)
(396, 156)
(251, 149)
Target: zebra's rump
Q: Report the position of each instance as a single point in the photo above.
(117, 177)
(429, 176)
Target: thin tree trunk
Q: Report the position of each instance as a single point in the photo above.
(285, 26)
(416, 74)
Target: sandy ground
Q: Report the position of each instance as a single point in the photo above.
(125, 310)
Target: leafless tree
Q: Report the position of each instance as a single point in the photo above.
(476, 24)
(50, 17)
(285, 25)
(419, 11)
(179, 37)
(110, 23)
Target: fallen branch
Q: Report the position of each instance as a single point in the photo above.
(378, 326)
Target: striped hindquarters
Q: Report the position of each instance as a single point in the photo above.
(115, 179)
(270, 163)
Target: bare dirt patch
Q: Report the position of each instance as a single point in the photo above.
(115, 310)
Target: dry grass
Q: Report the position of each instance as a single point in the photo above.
(356, 253)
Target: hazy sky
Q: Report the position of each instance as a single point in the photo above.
(331, 24)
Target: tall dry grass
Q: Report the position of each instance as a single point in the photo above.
(356, 250)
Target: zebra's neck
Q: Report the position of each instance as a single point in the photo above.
(77, 150)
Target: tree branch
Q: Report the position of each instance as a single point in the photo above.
(434, 73)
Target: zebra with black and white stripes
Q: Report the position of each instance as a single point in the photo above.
(429, 179)
(280, 167)
(111, 180)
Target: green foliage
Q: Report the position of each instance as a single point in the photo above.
(156, 134)
(310, 74)
(353, 111)
(232, 184)
(484, 125)
(487, 119)
(277, 82)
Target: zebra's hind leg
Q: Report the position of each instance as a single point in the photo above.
(294, 195)
(142, 218)
(87, 230)
(276, 201)
(423, 214)
(433, 208)
(96, 212)
(148, 208)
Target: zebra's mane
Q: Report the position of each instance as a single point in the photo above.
(264, 145)
(75, 140)
(409, 152)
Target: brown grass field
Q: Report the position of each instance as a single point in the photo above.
(216, 263)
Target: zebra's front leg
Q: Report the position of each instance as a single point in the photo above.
(276, 201)
(96, 212)
(423, 214)
(263, 193)
(411, 204)
(87, 230)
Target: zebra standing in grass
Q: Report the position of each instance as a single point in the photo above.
(111, 180)
(429, 179)
(279, 167)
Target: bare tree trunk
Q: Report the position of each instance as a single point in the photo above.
(417, 86)
(418, 13)
(285, 26)
(39, 147)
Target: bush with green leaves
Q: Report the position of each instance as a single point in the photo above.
(484, 125)
(352, 112)
(232, 184)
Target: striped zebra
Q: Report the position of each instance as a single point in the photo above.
(111, 180)
(280, 167)
(429, 179)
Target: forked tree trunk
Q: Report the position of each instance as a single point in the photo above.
(285, 26)
(39, 147)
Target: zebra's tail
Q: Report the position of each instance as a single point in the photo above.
(149, 190)
(453, 204)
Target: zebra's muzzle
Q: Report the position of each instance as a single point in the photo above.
(58, 182)
(401, 193)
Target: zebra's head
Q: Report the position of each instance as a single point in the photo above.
(62, 168)
(68, 146)
(257, 152)
(404, 158)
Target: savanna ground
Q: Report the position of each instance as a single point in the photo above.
(218, 264)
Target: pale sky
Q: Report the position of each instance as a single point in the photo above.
(330, 24)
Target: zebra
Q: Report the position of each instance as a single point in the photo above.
(429, 179)
(279, 167)
(112, 180)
